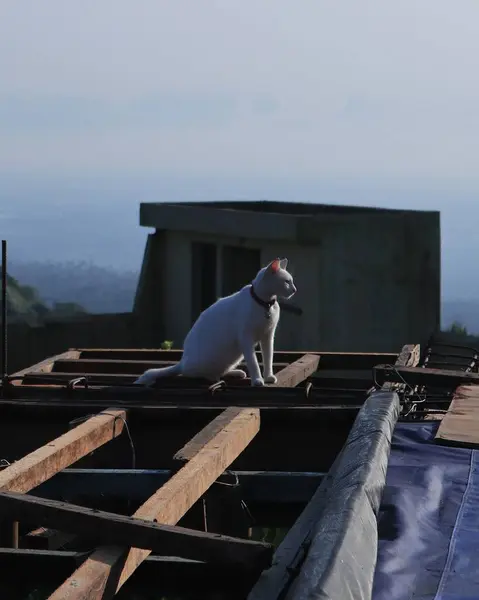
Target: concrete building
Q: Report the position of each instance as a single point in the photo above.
(368, 279)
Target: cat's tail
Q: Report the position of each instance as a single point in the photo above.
(151, 375)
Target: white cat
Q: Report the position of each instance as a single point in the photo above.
(229, 330)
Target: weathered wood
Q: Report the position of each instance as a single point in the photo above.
(140, 397)
(329, 360)
(116, 367)
(41, 464)
(322, 379)
(408, 357)
(423, 376)
(107, 366)
(460, 425)
(297, 372)
(159, 573)
(119, 529)
(45, 366)
(204, 437)
(264, 487)
(107, 569)
(44, 538)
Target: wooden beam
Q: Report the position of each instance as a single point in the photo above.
(130, 531)
(46, 365)
(338, 378)
(423, 376)
(460, 425)
(107, 569)
(179, 395)
(297, 372)
(123, 367)
(106, 365)
(329, 360)
(43, 538)
(264, 487)
(41, 464)
(167, 575)
(199, 441)
(408, 357)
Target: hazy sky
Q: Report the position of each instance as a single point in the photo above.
(339, 88)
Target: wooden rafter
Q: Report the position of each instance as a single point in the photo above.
(41, 464)
(107, 569)
(45, 366)
(424, 376)
(112, 528)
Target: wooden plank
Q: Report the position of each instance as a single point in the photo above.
(159, 573)
(329, 360)
(45, 366)
(88, 365)
(130, 531)
(460, 425)
(423, 376)
(178, 395)
(280, 487)
(297, 372)
(107, 569)
(119, 367)
(204, 437)
(45, 538)
(41, 464)
(408, 357)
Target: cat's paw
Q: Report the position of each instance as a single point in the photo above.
(258, 382)
(270, 379)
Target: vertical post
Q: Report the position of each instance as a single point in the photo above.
(4, 309)
(9, 530)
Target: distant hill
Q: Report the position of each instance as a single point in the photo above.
(97, 289)
(107, 290)
(23, 303)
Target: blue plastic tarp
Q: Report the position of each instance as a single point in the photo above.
(428, 522)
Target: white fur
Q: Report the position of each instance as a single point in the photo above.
(229, 330)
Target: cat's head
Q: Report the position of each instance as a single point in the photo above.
(277, 280)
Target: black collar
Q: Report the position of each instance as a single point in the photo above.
(265, 304)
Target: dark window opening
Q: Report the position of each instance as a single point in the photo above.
(203, 277)
(239, 267)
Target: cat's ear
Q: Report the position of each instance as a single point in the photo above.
(275, 265)
(283, 263)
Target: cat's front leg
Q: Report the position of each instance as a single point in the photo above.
(267, 343)
(248, 348)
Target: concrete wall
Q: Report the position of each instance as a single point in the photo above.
(366, 281)
(163, 301)
(379, 281)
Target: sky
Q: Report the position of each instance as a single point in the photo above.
(357, 101)
(314, 88)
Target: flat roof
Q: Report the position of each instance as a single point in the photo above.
(293, 208)
(262, 219)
